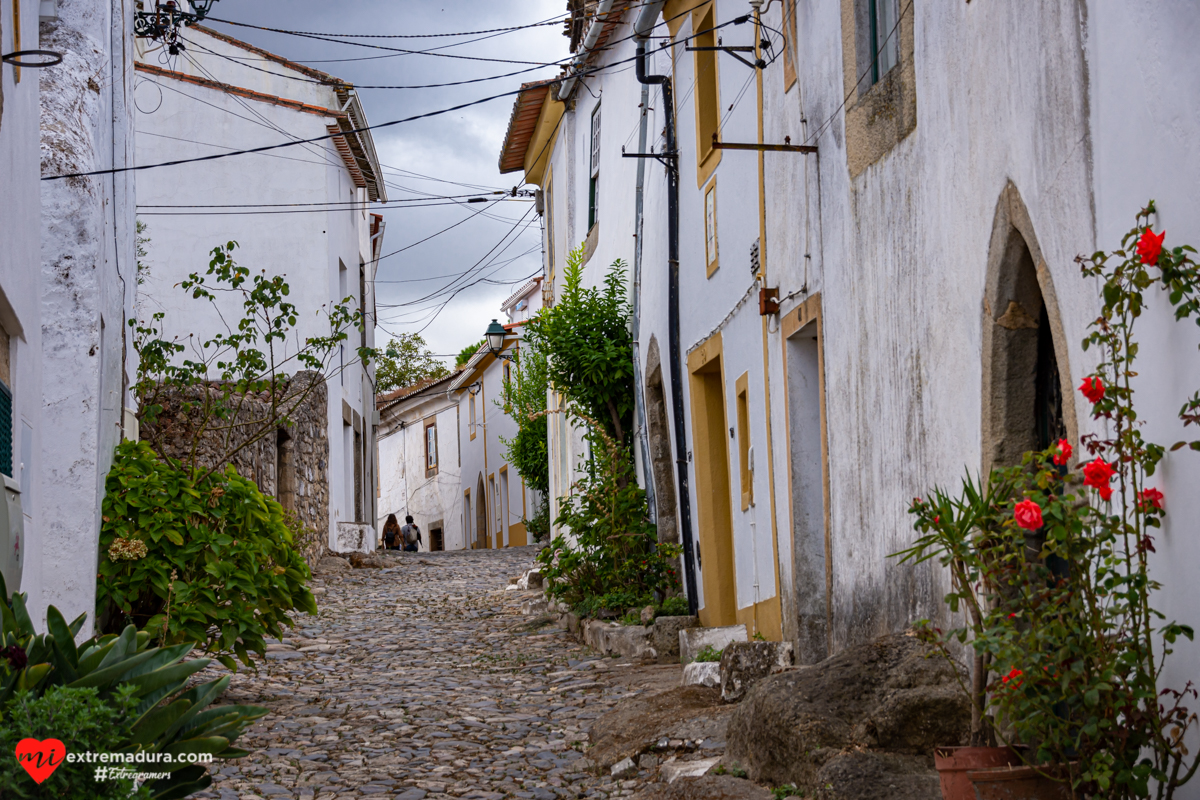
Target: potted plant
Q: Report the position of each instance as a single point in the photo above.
(1051, 564)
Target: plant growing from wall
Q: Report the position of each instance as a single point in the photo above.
(1052, 567)
(523, 399)
(404, 361)
(235, 387)
(209, 562)
(115, 693)
(612, 546)
(589, 347)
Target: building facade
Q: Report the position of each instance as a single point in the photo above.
(420, 462)
(72, 362)
(495, 500)
(873, 288)
(303, 213)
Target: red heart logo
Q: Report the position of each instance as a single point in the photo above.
(40, 759)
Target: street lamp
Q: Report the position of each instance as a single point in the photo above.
(168, 17)
(494, 335)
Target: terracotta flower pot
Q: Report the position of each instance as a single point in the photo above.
(1017, 783)
(953, 763)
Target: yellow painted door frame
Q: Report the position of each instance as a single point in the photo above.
(713, 488)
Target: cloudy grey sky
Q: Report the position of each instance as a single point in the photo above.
(462, 147)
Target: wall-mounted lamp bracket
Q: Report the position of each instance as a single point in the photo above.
(786, 147)
(757, 63)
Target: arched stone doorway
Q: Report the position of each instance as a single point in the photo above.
(1026, 372)
(482, 540)
(659, 437)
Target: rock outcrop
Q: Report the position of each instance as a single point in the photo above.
(868, 716)
(744, 664)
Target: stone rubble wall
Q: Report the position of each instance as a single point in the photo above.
(306, 495)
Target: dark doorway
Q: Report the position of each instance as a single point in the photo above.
(1024, 390)
(285, 470)
(481, 520)
(436, 539)
(659, 437)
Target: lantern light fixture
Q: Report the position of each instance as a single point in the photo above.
(495, 335)
(168, 18)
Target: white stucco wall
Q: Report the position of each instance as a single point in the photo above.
(403, 486)
(309, 245)
(88, 280)
(1049, 97)
(1143, 122)
(20, 288)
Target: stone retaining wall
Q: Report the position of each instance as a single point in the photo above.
(290, 464)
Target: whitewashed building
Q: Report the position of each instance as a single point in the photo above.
(67, 357)
(860, 321)
(303, 212)
(495, 500)
(420, 462)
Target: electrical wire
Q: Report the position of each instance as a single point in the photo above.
(477, 263)
(548, 21)
(288, 211)
(281, 205)
(427, 115)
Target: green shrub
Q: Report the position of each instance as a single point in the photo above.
(211, 563)
(613, 543)
(523, 398)
(673, 607)
(83, 723)
(539, 524)
(709, 653)
(144, 688)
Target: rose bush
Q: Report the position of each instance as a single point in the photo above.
(1052, 567)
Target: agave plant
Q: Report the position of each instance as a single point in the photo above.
(169, 718)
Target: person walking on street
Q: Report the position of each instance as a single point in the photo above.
(411, 535)
(391, 533)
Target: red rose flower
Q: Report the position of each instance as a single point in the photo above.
(1064, 452)
(1093, 389)
(1028, 515)
(1150, 498)
(1014, 676)
(1150, 246)
(1098, 474)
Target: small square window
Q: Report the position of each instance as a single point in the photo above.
(431, 451)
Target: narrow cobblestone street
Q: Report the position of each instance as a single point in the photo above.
(424, 680)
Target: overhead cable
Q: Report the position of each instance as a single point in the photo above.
(364, 129)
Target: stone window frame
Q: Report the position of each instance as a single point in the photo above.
(430, 425)
(878, 115)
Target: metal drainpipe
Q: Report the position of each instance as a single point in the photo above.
(589, 41)
(639, 394)
(681, 460)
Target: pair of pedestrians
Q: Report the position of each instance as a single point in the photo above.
(396, 537)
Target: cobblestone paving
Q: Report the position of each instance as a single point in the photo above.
(424, 682)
